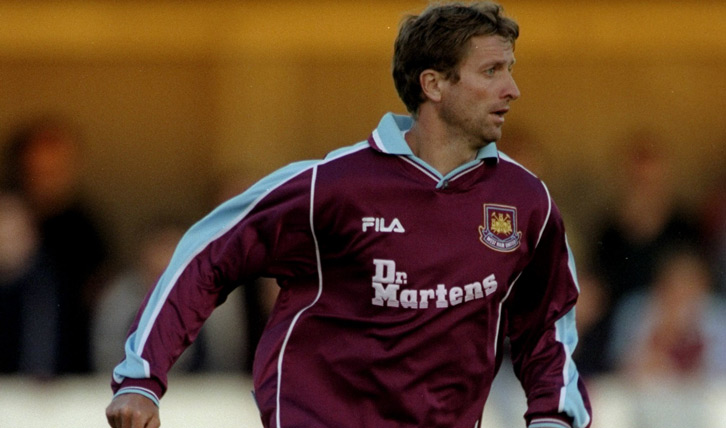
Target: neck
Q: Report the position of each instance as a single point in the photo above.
(437, 148)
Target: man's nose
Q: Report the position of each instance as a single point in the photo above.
(511, 90)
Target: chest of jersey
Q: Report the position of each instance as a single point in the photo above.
(391, 241)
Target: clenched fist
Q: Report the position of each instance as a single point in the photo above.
(132, 411)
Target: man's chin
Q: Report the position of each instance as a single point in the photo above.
(493, 136)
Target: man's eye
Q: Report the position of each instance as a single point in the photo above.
(490, 71)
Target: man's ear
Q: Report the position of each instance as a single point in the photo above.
(431, 84)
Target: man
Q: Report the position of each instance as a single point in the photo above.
(403, 262)
(43, 167)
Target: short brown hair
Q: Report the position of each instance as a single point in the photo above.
(439, 39)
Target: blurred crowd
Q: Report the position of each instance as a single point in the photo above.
(65, 303)
(652, 274)
(651, 271)
(653, 283)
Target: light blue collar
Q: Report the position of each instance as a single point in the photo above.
(388, 137)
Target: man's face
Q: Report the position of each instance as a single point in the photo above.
(473, 108)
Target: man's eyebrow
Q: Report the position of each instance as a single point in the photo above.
(499, 63)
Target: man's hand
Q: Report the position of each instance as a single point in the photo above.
(132, 411)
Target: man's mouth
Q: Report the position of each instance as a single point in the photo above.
(501, 112)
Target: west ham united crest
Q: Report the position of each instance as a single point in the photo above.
(499, 231)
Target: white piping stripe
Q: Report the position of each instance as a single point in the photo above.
(464, 172)
(547, 218)
(571, 265)
(281, 357)
(379, 142)
(510, 160)
(511, 287)
(549, 198)
(299, 314)
(424, 170)
(499, 315)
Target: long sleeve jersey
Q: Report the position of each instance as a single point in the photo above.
(398, 287)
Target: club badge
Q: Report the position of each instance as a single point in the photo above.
(499, 231)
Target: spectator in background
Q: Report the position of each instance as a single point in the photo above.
(43, 167)
(670, 340)
(228, 339)
(644, 220)
(28, 294)
(119, 300)
(713, 223)
(675, 329)
(593, 304)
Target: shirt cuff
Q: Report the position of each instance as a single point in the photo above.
(138, 390)
(548, 423)
(148, 387)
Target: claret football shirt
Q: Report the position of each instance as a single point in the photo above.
(398, 287)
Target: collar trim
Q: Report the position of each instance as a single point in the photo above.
(388, 138)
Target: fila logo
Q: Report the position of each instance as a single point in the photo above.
(379, 225)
